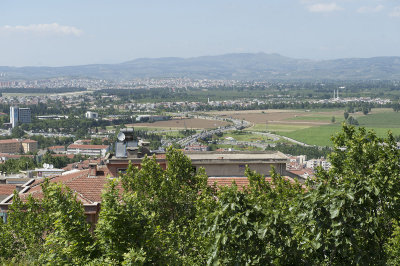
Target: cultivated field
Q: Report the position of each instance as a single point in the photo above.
(314, 127)
(189, 123)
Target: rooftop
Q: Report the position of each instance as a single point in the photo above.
(224, 155)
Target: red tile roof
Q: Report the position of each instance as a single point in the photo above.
(5, 141)
(29, 141)
(6, 189)
(87, 189)
(241, 182)
(14, 156)
(56, 147)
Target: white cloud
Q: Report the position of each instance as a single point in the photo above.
(395, 12)
(52, 28)
(328, 7)
(370, 9)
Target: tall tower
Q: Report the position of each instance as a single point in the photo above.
(14, 116)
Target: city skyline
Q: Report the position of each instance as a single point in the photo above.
(74, 33)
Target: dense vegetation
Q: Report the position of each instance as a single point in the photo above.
(29, 162)
(149, 216)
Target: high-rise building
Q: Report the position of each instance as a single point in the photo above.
(19, 115)
(24, 115)
(14, 116)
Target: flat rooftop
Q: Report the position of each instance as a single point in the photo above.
(244, 156)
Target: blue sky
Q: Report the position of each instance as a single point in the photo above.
(73, 32)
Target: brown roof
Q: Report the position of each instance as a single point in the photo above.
(78, 146)
(241, 182)
(29, 141)
(87, 189)
(14, 156)
(81, 165)
(6, 190)
(64, 155)
(9, 141)
(56, 147)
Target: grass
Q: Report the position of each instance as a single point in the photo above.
(321, 135)
(380, 120)
(312, 118)
(276, 128)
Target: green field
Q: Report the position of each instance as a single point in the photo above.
(276, 127)
(312, 118)
(380, 122)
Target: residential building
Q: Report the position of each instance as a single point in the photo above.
(17, 145)
(10, 146)
(90, 150)
(29, 145)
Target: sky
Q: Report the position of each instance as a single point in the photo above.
(76, 32)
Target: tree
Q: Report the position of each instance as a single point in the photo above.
(347, 215)
(346, 115)
(17, 132)
(155, 212)
(333, 119)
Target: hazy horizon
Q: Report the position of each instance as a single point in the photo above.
(68, 33)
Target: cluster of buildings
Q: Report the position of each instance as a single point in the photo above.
(222, 168)
(140, 83)
(17, 146)
(370, 100)
(304, 168)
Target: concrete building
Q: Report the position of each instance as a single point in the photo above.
(14, 116)
(29, 145)
(10, 146)
(90, 150)
(19, 116)
(91, 115)
(24, 115)
(233, 164)
(18, 145)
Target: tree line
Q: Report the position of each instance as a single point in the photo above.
(345, 216)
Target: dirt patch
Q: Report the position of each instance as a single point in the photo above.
(189, 123)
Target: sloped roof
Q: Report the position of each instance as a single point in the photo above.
(87, 189)
(241, 182)
(6, 190)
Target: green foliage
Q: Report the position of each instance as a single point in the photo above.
(344, 216)
(16, 165)
(17, 132)
(392, 247)
(61, 161)
(69, 241)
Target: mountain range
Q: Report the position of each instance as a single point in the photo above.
(238, 66)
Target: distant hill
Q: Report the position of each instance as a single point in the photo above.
(241, 66)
